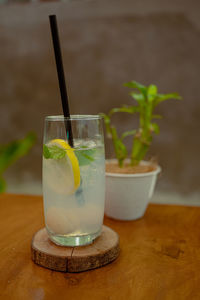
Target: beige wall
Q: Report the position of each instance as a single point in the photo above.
(105, 43)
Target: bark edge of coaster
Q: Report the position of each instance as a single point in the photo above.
(102, 251)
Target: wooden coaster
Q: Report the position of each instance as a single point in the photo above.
(102, 251)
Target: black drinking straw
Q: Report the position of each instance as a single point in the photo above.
(61, 76)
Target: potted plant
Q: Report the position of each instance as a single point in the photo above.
(130, 180)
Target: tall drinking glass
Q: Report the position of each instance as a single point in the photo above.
(73, 179)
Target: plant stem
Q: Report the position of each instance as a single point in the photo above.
(119, 147)
(143, 138)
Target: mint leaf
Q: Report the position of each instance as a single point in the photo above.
(53, 152)
(85, 156)
(46, 152)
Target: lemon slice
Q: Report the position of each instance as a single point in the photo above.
(62, 175)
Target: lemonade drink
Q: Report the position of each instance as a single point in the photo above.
(73, 190)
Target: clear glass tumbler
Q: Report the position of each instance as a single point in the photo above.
(73, 178)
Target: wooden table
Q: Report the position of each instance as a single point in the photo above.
(160, 257)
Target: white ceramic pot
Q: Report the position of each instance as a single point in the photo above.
(127, 195)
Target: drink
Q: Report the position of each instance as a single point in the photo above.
(73, 189)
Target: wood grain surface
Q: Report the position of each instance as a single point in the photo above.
(102, 251)
(159, 258)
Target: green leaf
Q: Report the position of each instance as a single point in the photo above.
(152, 89)
(162, 97)
(85, 157)
(11, 152)
(138, 86)
(53, 152)
(152, 92)
(121, 149)
(126, 109)
(155, 128)
(157, 117)
(128, 133)
(2, 185)
(46, 152)
(137, 97)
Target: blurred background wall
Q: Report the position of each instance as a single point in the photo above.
(104, 44)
